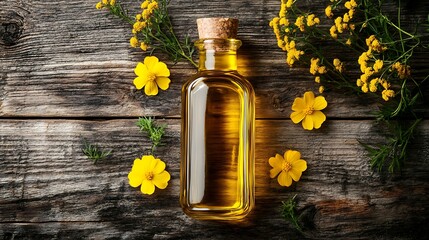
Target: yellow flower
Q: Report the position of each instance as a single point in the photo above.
(317, 79)
(134, 42)
(314, 65)
(387, 94)
(364, 88)
(289, 3)
(99, 5)
(144, 4)
(349, 42)
(338, 65)
(300, 23)
(308, 110)
(143, 46)
(339, 24)
(346, 18)
(151, 74)
(290, 167)
(321, 89)
(112, 2)
(328, 11)
(378, 65)
(333, 32)
(312, 20)
(373, 85)
(105, 2)
(148, 172)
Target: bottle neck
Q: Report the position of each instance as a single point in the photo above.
(218, 54)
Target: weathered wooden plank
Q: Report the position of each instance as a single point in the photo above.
(50, 190)
(65, 58)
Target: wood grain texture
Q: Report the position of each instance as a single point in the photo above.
(66, 74)
(65, 58)
(50, 190)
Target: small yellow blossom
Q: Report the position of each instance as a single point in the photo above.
(134, 42)
(378, 65)
(284, 22)
(359, 82)
(384, 83)
(99, 5)
(373, 85)
(300, 23)
(349, 42)
(321, 89)
(350, 4)
(289, 3)
(328, 11)
(308, 110)
(339, 24)
(143, 46)
(374, 44)
(352, 26)
(338, 65)
(312, 20)
(364, 88)
(105, 2)
(148, 172)
(317, 79)
(387, 94)
(287, 167)
(403, 70)
(112, 2)
(151, 74)
(144, 4)
(315, 68)
(333, 32)
(346, 18)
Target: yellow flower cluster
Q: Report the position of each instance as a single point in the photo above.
(402, 69)
(143, 20)
(105, 3)
(338, 65)
(315, 68)
(282, 27)
(342, 23)
(364, 82)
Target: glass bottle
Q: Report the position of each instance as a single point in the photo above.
(218, 115)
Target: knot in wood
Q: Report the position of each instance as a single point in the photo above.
(11, 25)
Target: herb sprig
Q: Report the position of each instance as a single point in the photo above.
(290, 214)
(154, 131)
(94, 153)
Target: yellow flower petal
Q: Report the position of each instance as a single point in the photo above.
(151, 62)
(307, 123)
(147, 187)
(138, 166)
(295, 174)
(274, 172)
(161, 180)
(284, 179)
(135, 179)
(318, 118)
(320, 103)
(299, 165)
(159, 167)
(163, 82)
(140, 82)
(160, 69)
(291, 155)
(276, 163)
(309, 98)
(298, 104)
(297, 117)
(148, 163)
(140, 70)
(151, 88)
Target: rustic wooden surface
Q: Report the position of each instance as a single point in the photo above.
(65, 75)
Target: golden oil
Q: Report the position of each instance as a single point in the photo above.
(217, 169)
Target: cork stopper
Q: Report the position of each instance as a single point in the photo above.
(223, 28)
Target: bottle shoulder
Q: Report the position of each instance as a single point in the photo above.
(212, 76)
